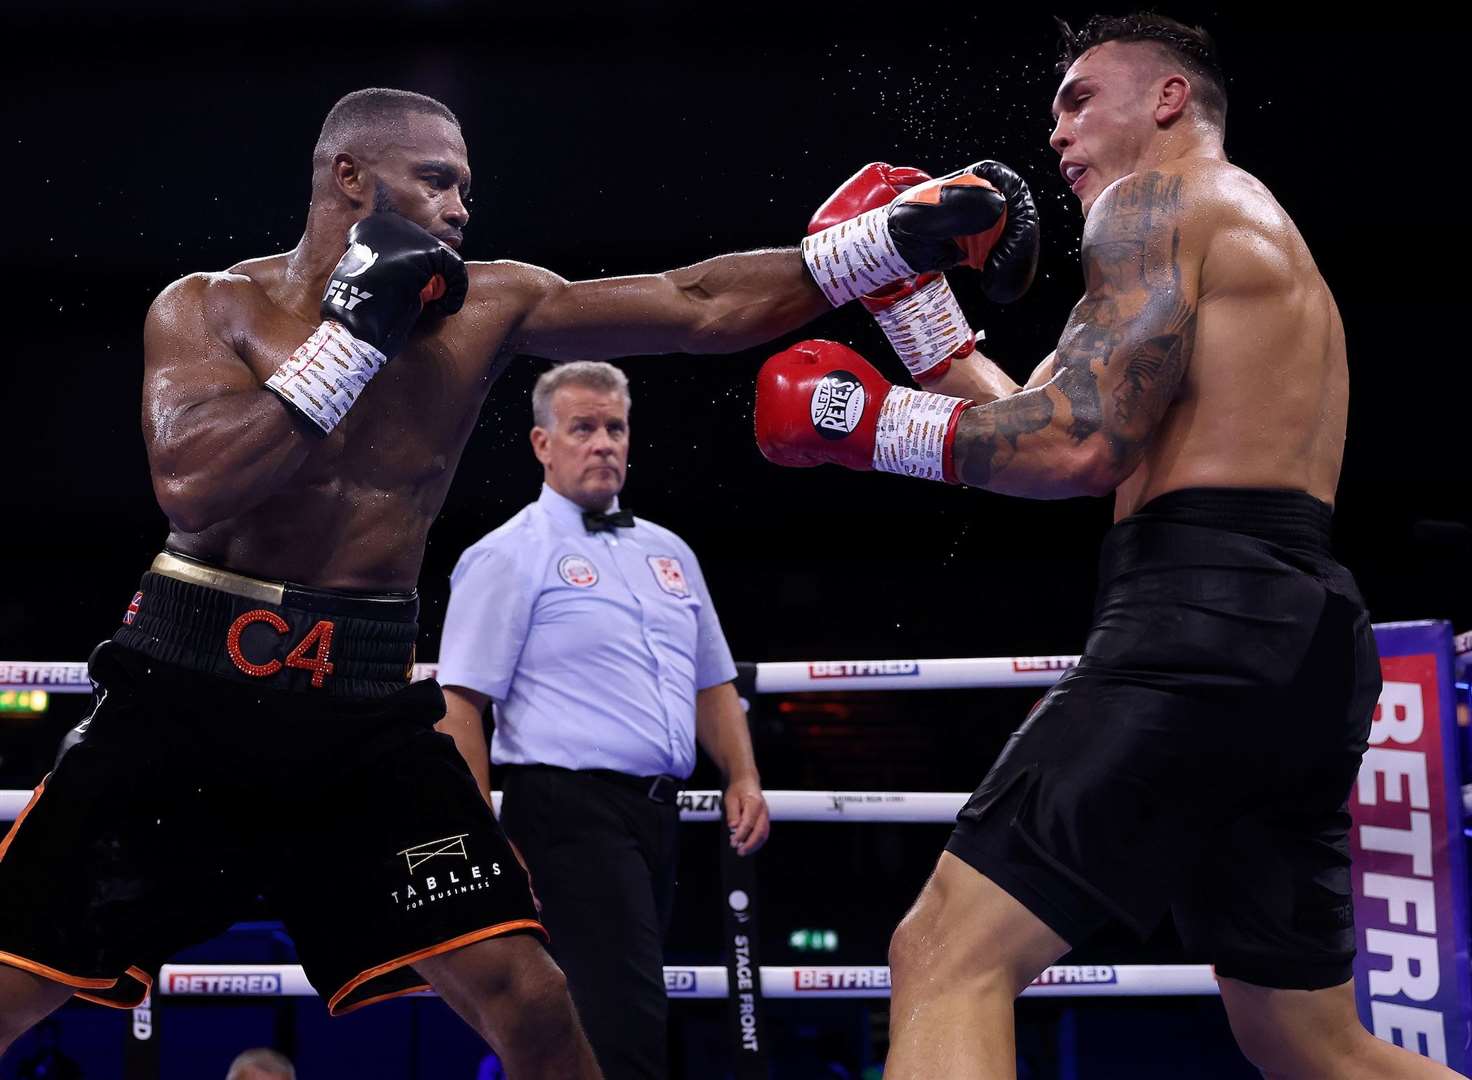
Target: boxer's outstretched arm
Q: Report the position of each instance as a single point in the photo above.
(1084, 422)
(722, 305)
(218, 442)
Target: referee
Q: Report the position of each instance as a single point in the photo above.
(593, 633)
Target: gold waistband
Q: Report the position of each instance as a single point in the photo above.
(173, 566)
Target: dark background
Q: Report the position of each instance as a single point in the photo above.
(610, 139)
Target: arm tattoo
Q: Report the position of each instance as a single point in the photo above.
(996, 428)
(1129, 340)
(1124, 351)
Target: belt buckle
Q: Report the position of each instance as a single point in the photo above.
(662, 789)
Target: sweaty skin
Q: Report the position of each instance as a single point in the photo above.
(248, 488)
(1207, 349)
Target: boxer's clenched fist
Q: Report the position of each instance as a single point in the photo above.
(820, 402)
(918, 314)
(935, 223)
(391, 273)
(981, 216)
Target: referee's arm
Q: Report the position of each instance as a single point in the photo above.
(721, 729)
(463, 711)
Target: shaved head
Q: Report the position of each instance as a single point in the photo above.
(365, 121)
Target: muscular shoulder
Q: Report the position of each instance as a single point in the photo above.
(212, 301)
(1199, 214)
(518, 284)
(1248, 240)
(502, 296)
(1205, 193)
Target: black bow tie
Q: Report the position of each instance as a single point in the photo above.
(594, 521)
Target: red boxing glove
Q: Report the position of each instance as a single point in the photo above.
(820, 402)
(919, 315)
(982, 216)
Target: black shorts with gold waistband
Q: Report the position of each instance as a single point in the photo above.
(1200, 756)
(257, 746)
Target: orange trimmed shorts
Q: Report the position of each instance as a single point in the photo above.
(192, 801)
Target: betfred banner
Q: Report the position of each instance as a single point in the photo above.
(1410, 863)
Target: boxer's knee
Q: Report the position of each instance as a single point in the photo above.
(543, 1018)
(512, 992)
(967, 935)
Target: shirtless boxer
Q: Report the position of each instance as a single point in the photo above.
(255, 731)
(1200, 756)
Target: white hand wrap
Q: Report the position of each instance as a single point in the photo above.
(927, 328)
(324, 377)
(854, 257)
(911, 436)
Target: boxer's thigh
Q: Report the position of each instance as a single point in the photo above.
(1094, 809)
(395, 860)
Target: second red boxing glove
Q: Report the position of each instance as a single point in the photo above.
(820, 402)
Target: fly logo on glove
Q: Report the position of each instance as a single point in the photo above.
(837, 404)
(341, 294)
(406, 269)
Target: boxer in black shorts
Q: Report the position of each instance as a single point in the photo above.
(251, 739)
(303, 415)
(1200, 757)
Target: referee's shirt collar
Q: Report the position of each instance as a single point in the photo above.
(563, 511)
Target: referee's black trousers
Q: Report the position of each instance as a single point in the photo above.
(602, 860)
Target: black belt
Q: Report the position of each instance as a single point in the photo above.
(662, 789)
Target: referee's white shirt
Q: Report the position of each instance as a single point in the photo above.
(592, 645)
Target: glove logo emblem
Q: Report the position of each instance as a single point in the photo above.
(837, 404)
(341, 294)
(358, 259)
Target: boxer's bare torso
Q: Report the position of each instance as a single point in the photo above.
(1207, 352)
(1264, 399)
(357, 511)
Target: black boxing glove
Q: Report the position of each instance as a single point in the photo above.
(1009, 267)
(390, 272)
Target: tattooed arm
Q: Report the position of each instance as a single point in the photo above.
(1082, 423)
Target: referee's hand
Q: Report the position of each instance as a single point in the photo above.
(747, 816)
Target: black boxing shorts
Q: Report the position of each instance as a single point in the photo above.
(253, 742)
(1200, 756)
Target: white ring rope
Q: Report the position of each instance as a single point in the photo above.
(780, 677)
(815, 981)
(67, 677)
(870, 806)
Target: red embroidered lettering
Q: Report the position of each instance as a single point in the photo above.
(232, 642)
(320, 666)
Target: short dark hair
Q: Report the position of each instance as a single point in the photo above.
(375, 107)
(1191, 47)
